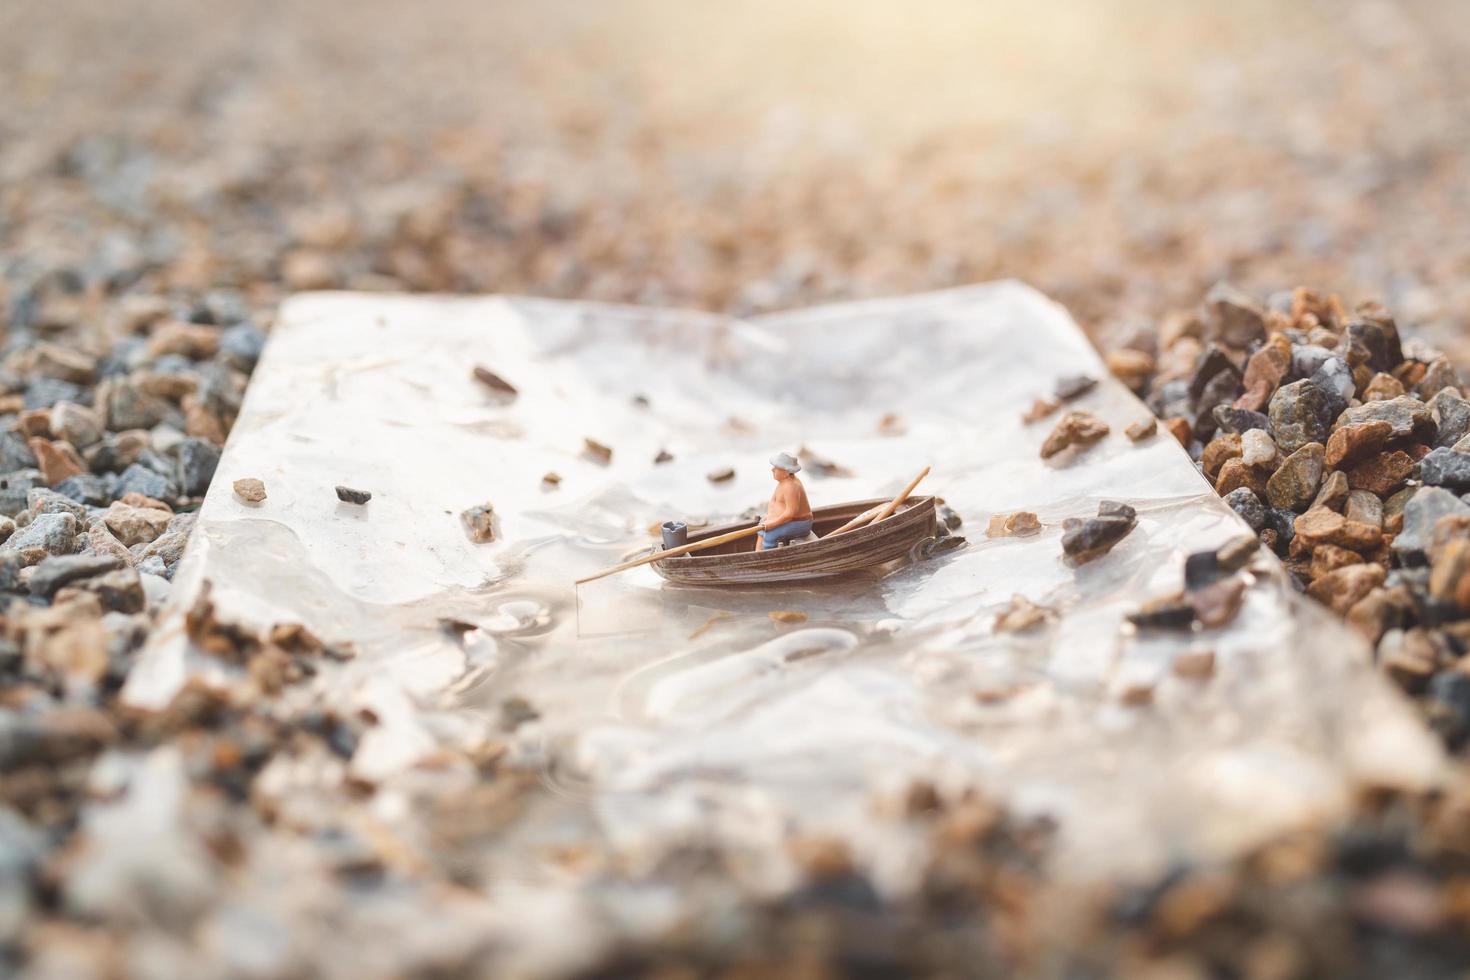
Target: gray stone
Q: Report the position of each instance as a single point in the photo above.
(1421, 513)
(10, 565)
(1451, 415)
(350, 496)
(1232, 419)
(116, 451)
(77, 424)
(1408, 416)
(39, 500)
(168, 546)
(1116, 508)
(1283, 522)
(1085, 540)
(45, 392)
(1334, 492)
(240, 346)
(1440, 375)
(153, 565)
(1237, 320)
(14, 488)
(1307, 358)
(1365, 508)
(15, 454)
(140, 479)
(197, 461)
(56, 533)
(1446, 468)
(130, 408)
(1295, 482)
(120, 590)
(52, 573)
(1336, 378)
(1374, 342)
(1244, 502)
(1300, 413)
(87, 488)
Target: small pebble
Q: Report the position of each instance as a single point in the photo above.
(350, 496)
(597, 452)
(250, 490)
(495, 382)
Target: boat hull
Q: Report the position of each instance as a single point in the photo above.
(738, 563)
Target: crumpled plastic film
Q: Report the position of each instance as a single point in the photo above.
(669, 713)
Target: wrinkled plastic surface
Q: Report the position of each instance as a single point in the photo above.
(677, 713)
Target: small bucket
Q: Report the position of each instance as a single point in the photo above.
(676, 534)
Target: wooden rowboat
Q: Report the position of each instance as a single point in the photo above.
(738, 563)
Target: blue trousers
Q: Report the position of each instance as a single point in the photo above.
(789, 531)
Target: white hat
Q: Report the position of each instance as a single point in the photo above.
(787, 462)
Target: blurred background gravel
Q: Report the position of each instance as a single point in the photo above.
(1119, 155)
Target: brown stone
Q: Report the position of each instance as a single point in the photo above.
(1021, 615)
(201, 423)
(1342, 588)
(170, 386)
(1016, 524)
(1142, 429)
(135, 525)
(192, 340)
(1179, 428)
(55, 361)
(1349, 444)
(1328, 558)
(494, 382)
(135, 499)
(1223, 447)
(36, 422)
(1410, 662)
(1040, 409)
(596, 451)
(1179, 359)
(1264, 371)
(1383, 474)
(1078, 428)
(56, 460)
(308, 269)
(1132, 367)
(1235, 474)
(249, 489)
(1379, 611)
(1322, 526)
(104, 543)
(1216, 604)
(1383, 387)
(1449, 579)
(1195, 665)
(1295, 482)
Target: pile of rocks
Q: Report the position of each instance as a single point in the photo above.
(1347, 450)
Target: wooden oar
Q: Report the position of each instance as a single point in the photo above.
(876, 514)
(673, 552)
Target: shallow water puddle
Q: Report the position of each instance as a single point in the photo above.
(666, 712)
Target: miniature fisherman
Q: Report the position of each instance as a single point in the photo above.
(789, 515)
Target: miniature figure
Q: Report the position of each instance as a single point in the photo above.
(789, 514)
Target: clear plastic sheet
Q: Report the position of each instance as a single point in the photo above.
(670, 713)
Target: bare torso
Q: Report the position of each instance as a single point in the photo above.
(788, 503)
